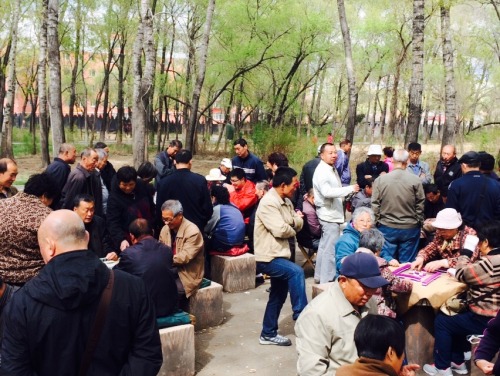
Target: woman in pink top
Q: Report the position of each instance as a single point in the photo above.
(388, 152)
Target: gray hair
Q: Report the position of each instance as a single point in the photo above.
(362, 210)
(262, 185)
(174, 206)
(87, 152)
(372, 239)
(65, 147)
(401, 156)
(101, 154)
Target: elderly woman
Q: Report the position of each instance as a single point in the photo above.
(483, 297)
(444, 249)
(362, 219)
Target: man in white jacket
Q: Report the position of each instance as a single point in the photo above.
(328, 194)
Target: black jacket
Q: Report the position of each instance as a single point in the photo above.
(107, 174)
(100, 241)
(366, 168)
(444, 178)
(152, 262)
(48, 322)
(59, 170)
(81, 181)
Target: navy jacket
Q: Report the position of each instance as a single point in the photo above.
(81, 181)
(151, 261)
(444, 178)
(59, 170)
(253, 167)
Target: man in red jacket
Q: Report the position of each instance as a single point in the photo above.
(243, 196)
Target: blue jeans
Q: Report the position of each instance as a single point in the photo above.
(325, 270)
(400, 244)
(285, 276)
(450, 336)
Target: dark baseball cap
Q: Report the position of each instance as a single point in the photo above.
(469, 157)
(364, 268)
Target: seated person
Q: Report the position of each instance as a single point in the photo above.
(380, 342)
(433, 204)
(445, 247)
(226, 228)
(243, 196)
(99, 241)
(310, 234)
(488, 347)
(151, 261)
(362, 219)
(186, 241)
(225, 168)
(364, 197)
(372, 240)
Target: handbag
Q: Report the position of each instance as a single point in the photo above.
(455, 304)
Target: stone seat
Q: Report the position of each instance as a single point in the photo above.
(234, 273)
(319, 288)
(177, 345)
(206, 306)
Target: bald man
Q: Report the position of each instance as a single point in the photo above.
(47, 323)
(447, 169)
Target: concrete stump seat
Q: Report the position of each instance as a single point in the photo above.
(177, 345)
(206, 306)
(234, 273)
(319, 288)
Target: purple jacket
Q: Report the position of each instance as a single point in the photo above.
(490, 344)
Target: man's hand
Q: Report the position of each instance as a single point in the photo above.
(409, 370)
(355, 188)
(112, 256)
(485, 366)
(435, 265)
(418, 263)
(299, 213)
(394, 262)
(124, 244)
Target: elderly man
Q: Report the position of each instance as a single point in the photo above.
(225, 168)
(99, 240)
(83, 179)
(416, 166)
(72, 286)
(151, 261)
(328, 195)
(251, 164)
(164, 161)
(325, 329)
(21, 216)
(447, 169)
(372, 168)
(60, 168)
(8, 175)
(275, 223)
(186, 240)
(106, 168)
(398, 203)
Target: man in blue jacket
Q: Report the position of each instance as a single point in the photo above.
(251, 164)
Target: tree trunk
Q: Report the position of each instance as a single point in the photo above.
(449, 85)
(351, 77)
(195, 101)
(74, 70)
(42, 87)
(384, 109)
(417, 77)
(54, 62)
(121, 79)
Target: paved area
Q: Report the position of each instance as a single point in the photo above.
(233, 347)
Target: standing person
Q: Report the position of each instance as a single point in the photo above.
(306, 176)
(342, 163)
(251, 164)
(398, 203)
(107, 169)
(372, 168)
(102, 162)
(447, 169)
(8, 175)
(275, 222)
(164, 161)
(388, 160)
(60, 169)
(474, 195)
(68, 291)
(416, 166)
(328, 195)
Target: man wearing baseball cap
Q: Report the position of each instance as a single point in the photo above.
(325, 328)
(446, 245)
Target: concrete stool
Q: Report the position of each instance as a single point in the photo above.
(319, 288)
(177, 346)
(206, 306)
(234, 273)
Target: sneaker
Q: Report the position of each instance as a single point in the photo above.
(467, 355)
(430, 369)
(278, 340)
(461, 369)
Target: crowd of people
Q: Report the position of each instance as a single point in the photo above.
(56, 234)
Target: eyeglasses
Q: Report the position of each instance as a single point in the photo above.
(235, 180)
(170, 219)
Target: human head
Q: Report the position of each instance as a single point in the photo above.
(489, 236)
(448, 222)
(414, 151)
(101, 145)
(102, 158)
(448, 152)
(226, 166)
(374, 154)
(285, 182)
(126, 177)
(400, 158)
(138, 229)
(432, 193)
(8, 172)
(42, 186)
(328, 153)
(363, 218)
(275, 160)
(84, 206)
(146, 171)
(388, 151)
(183, 159)
(62, 231)
(220, 195)
(171, 214)
(238, 178)
(346, 145)
(470, 161)
(487, 162)
(173, 148)
(261, 188)
(368, 187)
(372, 239)
(381, 338)
(67, 152)
(241, 147)
(310, 196)
(89, 159)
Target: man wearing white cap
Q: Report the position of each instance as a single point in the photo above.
(225, 168)
(445, 248)
(372, 168)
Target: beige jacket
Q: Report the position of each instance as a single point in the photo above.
(275, 222)
(189, 257)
